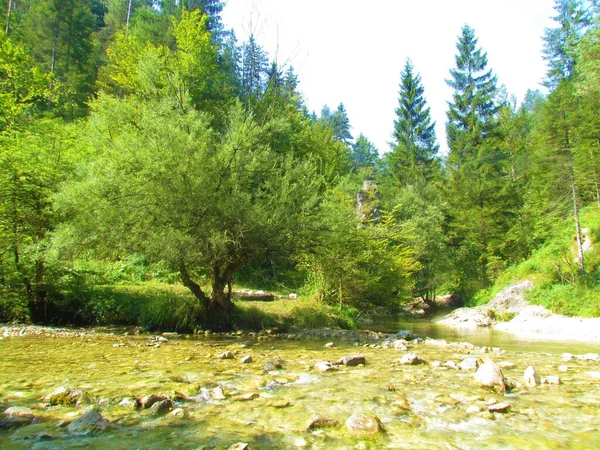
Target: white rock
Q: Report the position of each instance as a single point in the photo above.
(531, 377)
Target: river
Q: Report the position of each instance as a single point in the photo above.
(269, 401)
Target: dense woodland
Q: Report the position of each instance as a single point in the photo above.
(140, 141)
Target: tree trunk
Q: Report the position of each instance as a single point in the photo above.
(8, 11)
(194, 287)
(128, 17)
(580, 259)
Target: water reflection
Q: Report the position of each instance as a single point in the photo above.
(479, 336)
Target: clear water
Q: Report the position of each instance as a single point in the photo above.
(422, 407)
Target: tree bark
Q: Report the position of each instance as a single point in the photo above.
(8, 11)
(193, 286)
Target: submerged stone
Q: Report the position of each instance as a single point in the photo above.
(363, 424)
(68, 396)
(319, 421)
(325, 366)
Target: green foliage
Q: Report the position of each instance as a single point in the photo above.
(362, 265)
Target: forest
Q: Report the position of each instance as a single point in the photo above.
(143, 147)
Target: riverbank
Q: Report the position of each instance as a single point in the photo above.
(511, 313)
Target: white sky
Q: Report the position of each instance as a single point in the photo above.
(352, 51)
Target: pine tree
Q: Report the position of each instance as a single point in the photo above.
(472, 110)
(414, 148)
(364, 154)
(341, 125)
(560, 43)
(477, 171)
(254, 69)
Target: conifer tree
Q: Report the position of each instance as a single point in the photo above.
(414, 148)
(472, 110)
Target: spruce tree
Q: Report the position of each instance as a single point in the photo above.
(472, 110)
(414, 148)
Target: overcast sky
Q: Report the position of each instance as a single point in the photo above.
(352, 51)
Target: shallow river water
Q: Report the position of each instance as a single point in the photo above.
(225, 401)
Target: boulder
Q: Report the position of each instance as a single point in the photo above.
(412, 359)
(239, 446)
(531, 377)
(469, 364)
(246, 359)
(319, 421)
(551, 379)
(490, 375)
(149, 400)
(325, 366)
(90, 422)
(352, 360)
(129, 403)
(19, 411)
(363, 424)
(226, 355)
(329, 345)
(162, 407)
(499, 408)
(68, 396)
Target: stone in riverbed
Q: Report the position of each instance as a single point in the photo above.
(129, 403)
(412, 359)
(162, 407)
(531, 377)
(90, 422)
(490, 375)
(566, 357)
(319, 421)
(246, 359)
(329, 345)
(19, 411)
(325, 366)
(68, 396)
(469, 364)
(239, 446)
(149, 400)
(499, 408)
(226, 355)
(352, 360)
(363, 424)
(551, 379)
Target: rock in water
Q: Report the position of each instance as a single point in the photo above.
(363, 424)
(19, 411)
(246, 359)
(149, 400)
(320, 421)
(499, 407)
(531, 377)
(325, 366)
(352, 360)
(226, 355)
(90, 422)
(67, 396)
(412, 359)
(469, 364)
(490, 375)
(239, 446)
(161, 408)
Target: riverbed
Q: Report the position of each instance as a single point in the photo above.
(268, 401)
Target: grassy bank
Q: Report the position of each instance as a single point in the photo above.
(554, 271)
(170, 307)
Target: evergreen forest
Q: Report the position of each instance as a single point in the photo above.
(151, 166)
